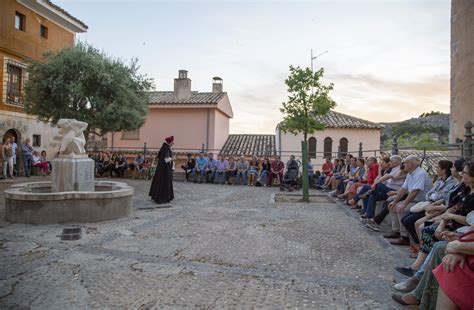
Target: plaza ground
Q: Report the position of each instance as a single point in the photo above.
(216, 247)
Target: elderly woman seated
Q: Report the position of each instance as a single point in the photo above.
(38, 162)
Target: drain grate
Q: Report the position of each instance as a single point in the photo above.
(71, 234)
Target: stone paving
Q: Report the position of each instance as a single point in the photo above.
(217, 247)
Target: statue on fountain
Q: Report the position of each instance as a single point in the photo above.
(73, 140)
(73, 170)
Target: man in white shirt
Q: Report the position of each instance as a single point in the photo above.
(415, 187)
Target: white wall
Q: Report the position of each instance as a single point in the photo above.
(288, 144)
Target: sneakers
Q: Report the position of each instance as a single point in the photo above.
(407, 286)
(406, 271)
(372, 225)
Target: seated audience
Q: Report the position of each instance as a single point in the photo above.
(253, 171)
(200, 169)
(146, 168)
(264, 171)
(326, 171)
(138, 164)
(37, 162)
(415, 187)
(231, 171)
(383, 169)
(189, 166)
(276, 171)
(242, 170)
(291, 174)
(210, 169)
(221, 168)
(121, 165)
(44, 159)
(386, 186)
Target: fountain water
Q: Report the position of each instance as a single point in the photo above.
(73, 195)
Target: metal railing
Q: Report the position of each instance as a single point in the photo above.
(428, 153)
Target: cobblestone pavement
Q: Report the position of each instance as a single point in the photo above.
(217, 247)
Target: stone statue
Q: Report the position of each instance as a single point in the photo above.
(73, 140)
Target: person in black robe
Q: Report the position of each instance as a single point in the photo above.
(161, 190)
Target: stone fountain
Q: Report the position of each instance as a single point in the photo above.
(72, 196)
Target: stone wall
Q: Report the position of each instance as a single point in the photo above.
(26, 126)
(462, 67)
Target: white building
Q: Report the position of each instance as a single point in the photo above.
(343, 134)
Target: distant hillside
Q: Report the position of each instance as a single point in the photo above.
(429, 129)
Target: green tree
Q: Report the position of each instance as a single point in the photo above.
(84, 83)
(307, 98)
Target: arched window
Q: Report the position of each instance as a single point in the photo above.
(312, 147)
(328, 147)
(343, 146)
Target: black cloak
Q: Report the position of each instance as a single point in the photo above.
(161, 190)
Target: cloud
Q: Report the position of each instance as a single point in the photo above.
(381, 100)
(366, 96)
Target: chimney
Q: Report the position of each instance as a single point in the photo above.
(182, 86)
(217, 86)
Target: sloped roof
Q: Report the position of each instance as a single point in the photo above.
(249, 145)
(196, 98)
(340, 120)
(60, 9)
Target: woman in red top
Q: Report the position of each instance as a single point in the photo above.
(364, 184)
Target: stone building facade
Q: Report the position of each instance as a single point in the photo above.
(462, 67)
(28, 29)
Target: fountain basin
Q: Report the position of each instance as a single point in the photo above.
(35, 203)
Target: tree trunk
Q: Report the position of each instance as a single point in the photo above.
(304, 149)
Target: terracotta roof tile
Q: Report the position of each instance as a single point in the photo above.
(249, 145)
(197, 98)
(339, 120)
(60, 9)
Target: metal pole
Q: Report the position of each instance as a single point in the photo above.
(361, 153)
(468, 149)
(304, 148)
(395, 146)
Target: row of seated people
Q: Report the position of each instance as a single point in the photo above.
(228, 170)
(116, 164)
(435, 218)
